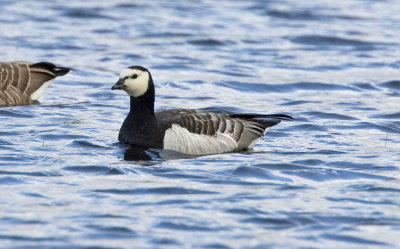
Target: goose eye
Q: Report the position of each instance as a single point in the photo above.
(134, 76)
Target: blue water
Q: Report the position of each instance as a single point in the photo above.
(329, 179)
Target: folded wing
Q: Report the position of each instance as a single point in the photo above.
(196, 132)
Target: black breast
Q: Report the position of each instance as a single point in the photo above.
(141, 131)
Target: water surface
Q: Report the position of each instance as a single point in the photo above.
(329, 179)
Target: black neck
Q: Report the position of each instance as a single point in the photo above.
(145, 102)
(140, 127)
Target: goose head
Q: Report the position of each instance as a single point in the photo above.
(134, 80)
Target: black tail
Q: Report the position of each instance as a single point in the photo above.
(262, 116)
(268, 122)
(58, 71)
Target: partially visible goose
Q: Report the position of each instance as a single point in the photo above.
(22, 83)
(187, 131)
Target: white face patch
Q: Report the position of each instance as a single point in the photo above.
(135, 86)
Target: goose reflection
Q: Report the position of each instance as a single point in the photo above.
(139, 154)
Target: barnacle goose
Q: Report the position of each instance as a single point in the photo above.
(22, 83)
(187, 131)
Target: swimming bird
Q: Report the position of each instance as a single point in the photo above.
(188, 131)
(22, 83)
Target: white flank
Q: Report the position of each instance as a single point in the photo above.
(36, 94)
(138, 86)
(251, 145)
(180, 139)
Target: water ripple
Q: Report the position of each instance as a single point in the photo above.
(333, 41)
(290, 87)
(185, 227)
(159, 191)
(101, 170)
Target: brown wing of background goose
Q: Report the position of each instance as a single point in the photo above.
(21, 83)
